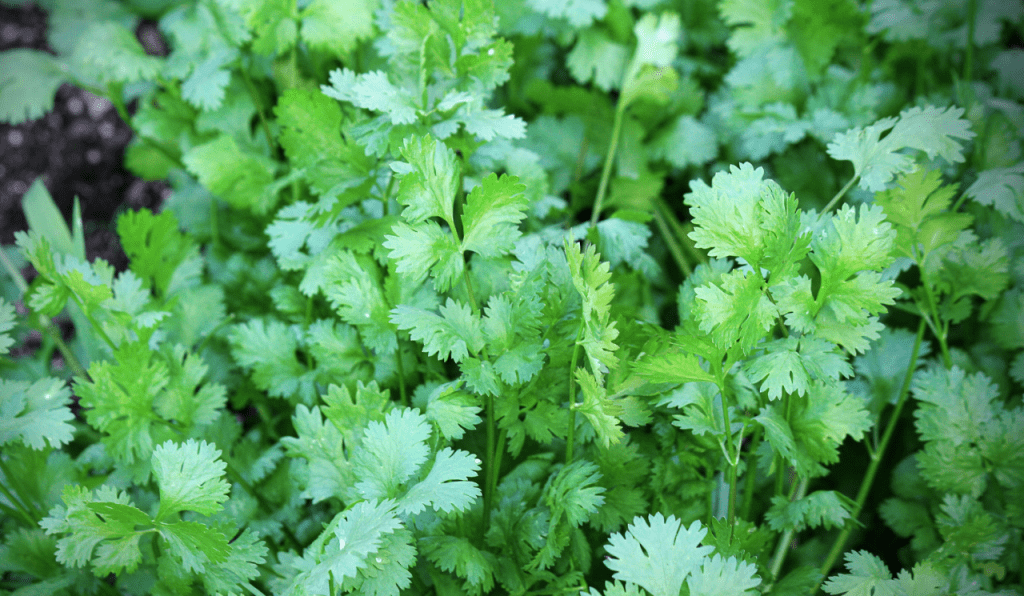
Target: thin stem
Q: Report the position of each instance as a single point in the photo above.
(570, 439)
(609, 159)
(400, 368)
(18, 507)
(876, 460)
(499, 454)
(748, 490)
(45, 322)
(972, 17)
(840, 194)
(670, 241)
(731, 449)
(23, 504)
(782, 548)
(251, 88)
(263, 503)
(489, 463)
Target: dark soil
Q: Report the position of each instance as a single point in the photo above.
(77, 149)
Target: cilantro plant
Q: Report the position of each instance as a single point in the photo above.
(625, 297)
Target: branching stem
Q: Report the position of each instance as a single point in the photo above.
(876, 460)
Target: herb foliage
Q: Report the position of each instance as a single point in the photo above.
(527, 297)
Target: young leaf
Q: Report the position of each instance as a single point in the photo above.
(657, 554)
(28, 83)
(492, 215)
(36, 413)
(935, 131)
(190, 477)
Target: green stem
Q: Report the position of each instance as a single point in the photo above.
(489, 463)
(730, 445)
(24, 505)
(876, 460)
(972, 17)
(400, 368)
(251, 88)
(840, 194)
(748, 490)
(782, 548)
(570, 439)
(670, 241)
(609, 159)
(44, 322)
(263, 503)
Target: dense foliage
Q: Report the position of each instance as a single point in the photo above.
(703, 297)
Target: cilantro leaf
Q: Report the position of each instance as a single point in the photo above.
(429, 180)
(598, 409)
(657, 554)
(154, 245)
(791, 364)
(446, 487)
(28, 84)
(36, 413)
(599, 58)
(822, 508)
(240, 177)
(190, 477)
(426, 248)
(492, 215)
(579, 13)
(337, 25)
(867, 575)
(268, 348)
(875, 160)
(6, 324)
(454, 332)
(391, 453)
(1002, 188)
(591, 278)
(720, 576)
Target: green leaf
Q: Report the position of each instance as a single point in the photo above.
(391, 453)
(429, 180)
(28, 83)
(240, 177)
(719, 576)
(337, 26)
(154, 245)
(791, 364)
(737, 311)
(426, 249)
(190, 477)
(453, 412)
(492, 215)
(598, 58)
(353, 287)
(1001, 188)
(867, 575)
(591, 278)
(650, 74)
(195, 544)
(373, 91)
(7, 320)
(672, 367)
(822, 508)
(579, 13)
(34, 413)
(657, 554)
(108, 52)
(45, 218)
(601, 412)
(875, 160)
(268, 348)
(461, 556)
(446, 487)
(311, 138)
(919, 207)
(761, 24)
(454, 332)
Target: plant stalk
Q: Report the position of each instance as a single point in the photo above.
(876, 460)
(839, 195)
(782, 548)
(570, 439)
(609, 159)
